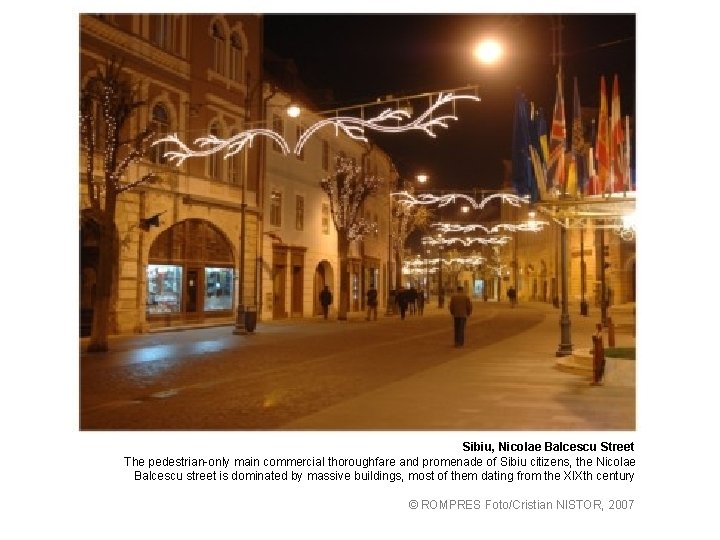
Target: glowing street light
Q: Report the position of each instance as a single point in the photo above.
(422, 178)
(488, 51)
(293, 110)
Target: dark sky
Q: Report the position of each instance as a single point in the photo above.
(363, 57)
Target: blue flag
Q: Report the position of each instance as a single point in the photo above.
(522, 177)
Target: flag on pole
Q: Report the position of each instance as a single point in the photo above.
(521, 165)
(578, 141)
(601, 144)
(617, 138)
(556, 163)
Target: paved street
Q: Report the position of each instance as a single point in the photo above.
(388, 374)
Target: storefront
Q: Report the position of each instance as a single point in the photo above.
(190, 276)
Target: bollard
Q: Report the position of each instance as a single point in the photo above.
(611, 332)
(598, 356)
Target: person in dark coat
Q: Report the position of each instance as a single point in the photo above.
(326, 299)
(421, 301)
(372, 303)
(512, 296)
(412, 299)
(460, 308)
(402, 301)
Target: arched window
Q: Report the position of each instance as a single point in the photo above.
(160, 124)
(236, 58)
(215, 160)
(218, 36)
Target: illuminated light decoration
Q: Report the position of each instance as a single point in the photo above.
(212, 144)
(354, 127)
(422, 265)
(496, 240)
(526, 226)
(407, 198)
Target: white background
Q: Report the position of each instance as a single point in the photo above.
(59, 482)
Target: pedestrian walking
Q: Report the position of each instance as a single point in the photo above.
(371, 303)
(460, 308)
(326, 299)
(421, 301)
(402, 301)
(512, 296)
(412, 300)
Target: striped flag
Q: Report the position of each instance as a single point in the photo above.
(617, 141)
(578, 141)
(602, 154)
(556, 163)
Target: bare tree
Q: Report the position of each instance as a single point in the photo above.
(347, 188)
(107, 102)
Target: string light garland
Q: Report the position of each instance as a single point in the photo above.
(353, 127)
(493, 240)
(526, 226)
(213, 144)
(407, 198)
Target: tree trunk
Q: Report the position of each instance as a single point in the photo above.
(107, 263)
(344, 300)
(398, 271)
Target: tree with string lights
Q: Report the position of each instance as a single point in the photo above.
(107, 101)
(347, 188)
(406, 218)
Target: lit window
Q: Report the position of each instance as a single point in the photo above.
(164, 289)
(275, 208)
(218, 289)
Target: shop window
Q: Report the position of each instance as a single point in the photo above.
(218, 289)
(164, 289)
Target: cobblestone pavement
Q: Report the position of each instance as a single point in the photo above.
(385, 374)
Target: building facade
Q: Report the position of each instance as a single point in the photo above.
(253, 229)
(300, 242)
(179, 238)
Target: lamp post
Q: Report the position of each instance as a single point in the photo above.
(565, 347)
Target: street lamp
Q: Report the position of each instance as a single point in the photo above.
(488, 51)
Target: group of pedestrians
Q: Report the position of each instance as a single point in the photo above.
(460, 307)
(410, 300)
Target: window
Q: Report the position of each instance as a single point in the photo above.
(325, 155)
(215, 160)
(236, 58)
(164, 289)
(218, 289)
(218, 47)
(299, 212)
(163, 31)
(276, 208)
(279, 128)
(325, 224)
(235, 166)
(299, 130)
(160, 125)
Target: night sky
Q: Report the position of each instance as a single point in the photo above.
(363, 57)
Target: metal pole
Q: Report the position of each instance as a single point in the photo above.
(565, 347)
(583, 273)
(240, 319)
(603, 291)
